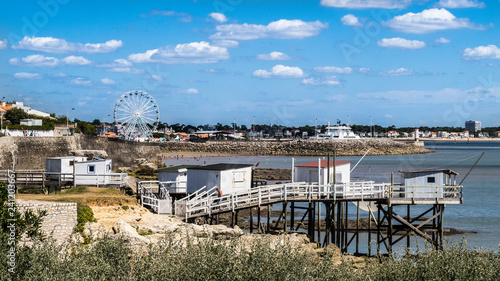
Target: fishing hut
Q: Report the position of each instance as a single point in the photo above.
(229, 178)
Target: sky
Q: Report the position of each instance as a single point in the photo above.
(385, 62)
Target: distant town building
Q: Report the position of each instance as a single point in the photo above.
(29, 110)
(31, 122)
(473, 126)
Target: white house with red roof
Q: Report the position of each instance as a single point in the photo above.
(312, 171)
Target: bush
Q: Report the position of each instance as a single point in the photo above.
(84, 215)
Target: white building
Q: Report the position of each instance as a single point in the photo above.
(310, 172)
(174, 178)
(426, 183)
(31, 122)
(87, 172)
(228, 177)
(29, 110)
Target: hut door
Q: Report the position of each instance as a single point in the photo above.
(238, 179)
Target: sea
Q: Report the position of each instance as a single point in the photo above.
(478, 216)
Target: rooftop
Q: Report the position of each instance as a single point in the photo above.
(175, 168)
(445, 171)
(222, 166)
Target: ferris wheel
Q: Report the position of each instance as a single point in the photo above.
(138, 114)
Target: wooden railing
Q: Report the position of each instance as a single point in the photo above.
(41, 177)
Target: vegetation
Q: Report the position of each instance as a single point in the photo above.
(84, 215)
(111, 259)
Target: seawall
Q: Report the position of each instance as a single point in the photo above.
(299, 147)
(32, 151)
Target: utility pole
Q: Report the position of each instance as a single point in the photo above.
(1, 118)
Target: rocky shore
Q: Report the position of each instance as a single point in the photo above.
(298, 147)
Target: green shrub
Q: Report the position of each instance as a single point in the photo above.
(84, 215)
(125, 207)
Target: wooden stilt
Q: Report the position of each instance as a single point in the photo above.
(292, 215)
(251, 220)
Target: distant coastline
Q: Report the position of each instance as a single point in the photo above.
(461, 140)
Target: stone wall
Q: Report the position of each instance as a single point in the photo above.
(60, 221)
(31, 152)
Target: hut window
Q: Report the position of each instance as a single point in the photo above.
(71, 163)
(91, 169)
(431, 179)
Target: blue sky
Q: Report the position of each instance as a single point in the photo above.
(403, 63)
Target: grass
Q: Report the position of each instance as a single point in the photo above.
(92, 196)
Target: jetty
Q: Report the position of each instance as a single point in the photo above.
(389, 208)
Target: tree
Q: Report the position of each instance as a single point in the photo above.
(15, 115)
(96, 122)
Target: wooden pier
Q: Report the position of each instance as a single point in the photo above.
(385, 212)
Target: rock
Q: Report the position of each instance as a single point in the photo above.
(94, 231)
(129, 234)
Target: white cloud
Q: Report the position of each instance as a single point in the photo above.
(191, 91)
(328, 81)
(280, 71)
(218, 17)
(398, 72)
(59, 75)
(401, 43)
(26, 75)
(35, 60)
(365, 70)
(443, 40)
(157, 77)
(76, 60)
(281, 29)
(195, 52)
(388, 116)
(81, 82)
(226, 43)
(482, 52)
(430, 20)
(55, 45)
(117, 63)
(366, 4)
(3, 44)
(273, 56)
(107, 81)
(350, 20)
(130, 70)
(183, 17)
(333, 69)
(461, 4)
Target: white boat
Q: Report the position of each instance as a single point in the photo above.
(337, 132)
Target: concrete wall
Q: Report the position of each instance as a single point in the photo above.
(60, 220)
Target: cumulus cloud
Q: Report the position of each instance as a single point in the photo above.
(3, 44)
(226, 43)
(452, 4)
(107, 81)
(365, 70)
(443, 40)
(281, 29)
(81, 82)
(117, 63)
(43, 61)
(191, 91)
(130, 70)
(367, 4)
(398, 72)
(482, 52)
(76, 60)
(400, 43)
(218, 17)
(184, 17)
(273, 56)
(429, 21)
(55, 45)
(328, 81)
(333, 69)
(195, 52)
(280, 71)
(27, 75)
(351, 20)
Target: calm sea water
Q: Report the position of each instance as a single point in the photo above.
(481, 209)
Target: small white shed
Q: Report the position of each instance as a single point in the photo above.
(62, 166)
(310, 172)
(174, 178)
(93, 172)
(426, 183)
(228, 177)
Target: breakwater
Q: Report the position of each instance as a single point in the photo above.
(299, 147)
